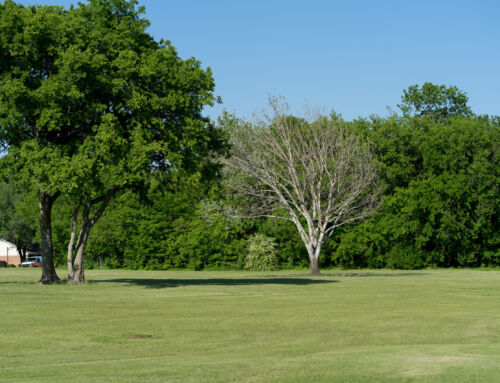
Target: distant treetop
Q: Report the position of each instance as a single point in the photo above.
(438, 101)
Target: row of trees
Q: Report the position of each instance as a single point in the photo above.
(438, 189)
(103, 126)
(438, 207)
(441, 199)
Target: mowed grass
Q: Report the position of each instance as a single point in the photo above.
(347, 326)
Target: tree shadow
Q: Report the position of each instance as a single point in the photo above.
(162, 283)
(354, 274)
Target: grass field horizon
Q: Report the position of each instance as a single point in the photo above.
(227, 326)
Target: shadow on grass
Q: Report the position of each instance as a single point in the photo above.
(164, 283)
(386, 275)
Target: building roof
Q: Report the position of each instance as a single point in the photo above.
(7, 242)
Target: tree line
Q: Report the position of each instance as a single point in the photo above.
(438, 207)
(109, 161)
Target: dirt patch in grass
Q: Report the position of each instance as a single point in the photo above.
(428, 365)
(139, 336)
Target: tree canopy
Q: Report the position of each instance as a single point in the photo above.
(438, 101)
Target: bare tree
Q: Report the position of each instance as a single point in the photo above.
(316, 172)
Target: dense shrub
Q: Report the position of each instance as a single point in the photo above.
(261, 254)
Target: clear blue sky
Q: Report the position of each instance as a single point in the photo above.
(355, 57)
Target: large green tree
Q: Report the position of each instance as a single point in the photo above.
(90, 105)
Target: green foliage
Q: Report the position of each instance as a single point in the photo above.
(261, 254)
(169, 230)
(437, 101)
(360, 246)
(18, 216)
(89, 100)
(440, 208)
(291, 251)
(91, 105)
(446, 214)
(396, 142)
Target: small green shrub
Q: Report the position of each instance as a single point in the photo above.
(261, 254)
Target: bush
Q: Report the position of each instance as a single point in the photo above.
(261, 254)
(405, 257)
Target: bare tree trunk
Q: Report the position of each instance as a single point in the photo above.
(46, 201)
(314, 266)
(78, 263)
(314, 251)
(77, 266)
(72, 242)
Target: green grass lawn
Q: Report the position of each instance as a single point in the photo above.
(347, 326)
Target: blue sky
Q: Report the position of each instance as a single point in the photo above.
(354, 56)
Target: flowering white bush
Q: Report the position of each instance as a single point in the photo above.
(261, 255)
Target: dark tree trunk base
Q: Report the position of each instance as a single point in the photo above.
(49, 279)
(49, 274)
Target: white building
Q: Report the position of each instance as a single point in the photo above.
(9, 253)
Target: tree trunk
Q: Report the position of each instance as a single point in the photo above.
(79, 264)
(49, 274)
(314, 266)
(72, 243)
(76, 268)
(22, 253)
(314, 251)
